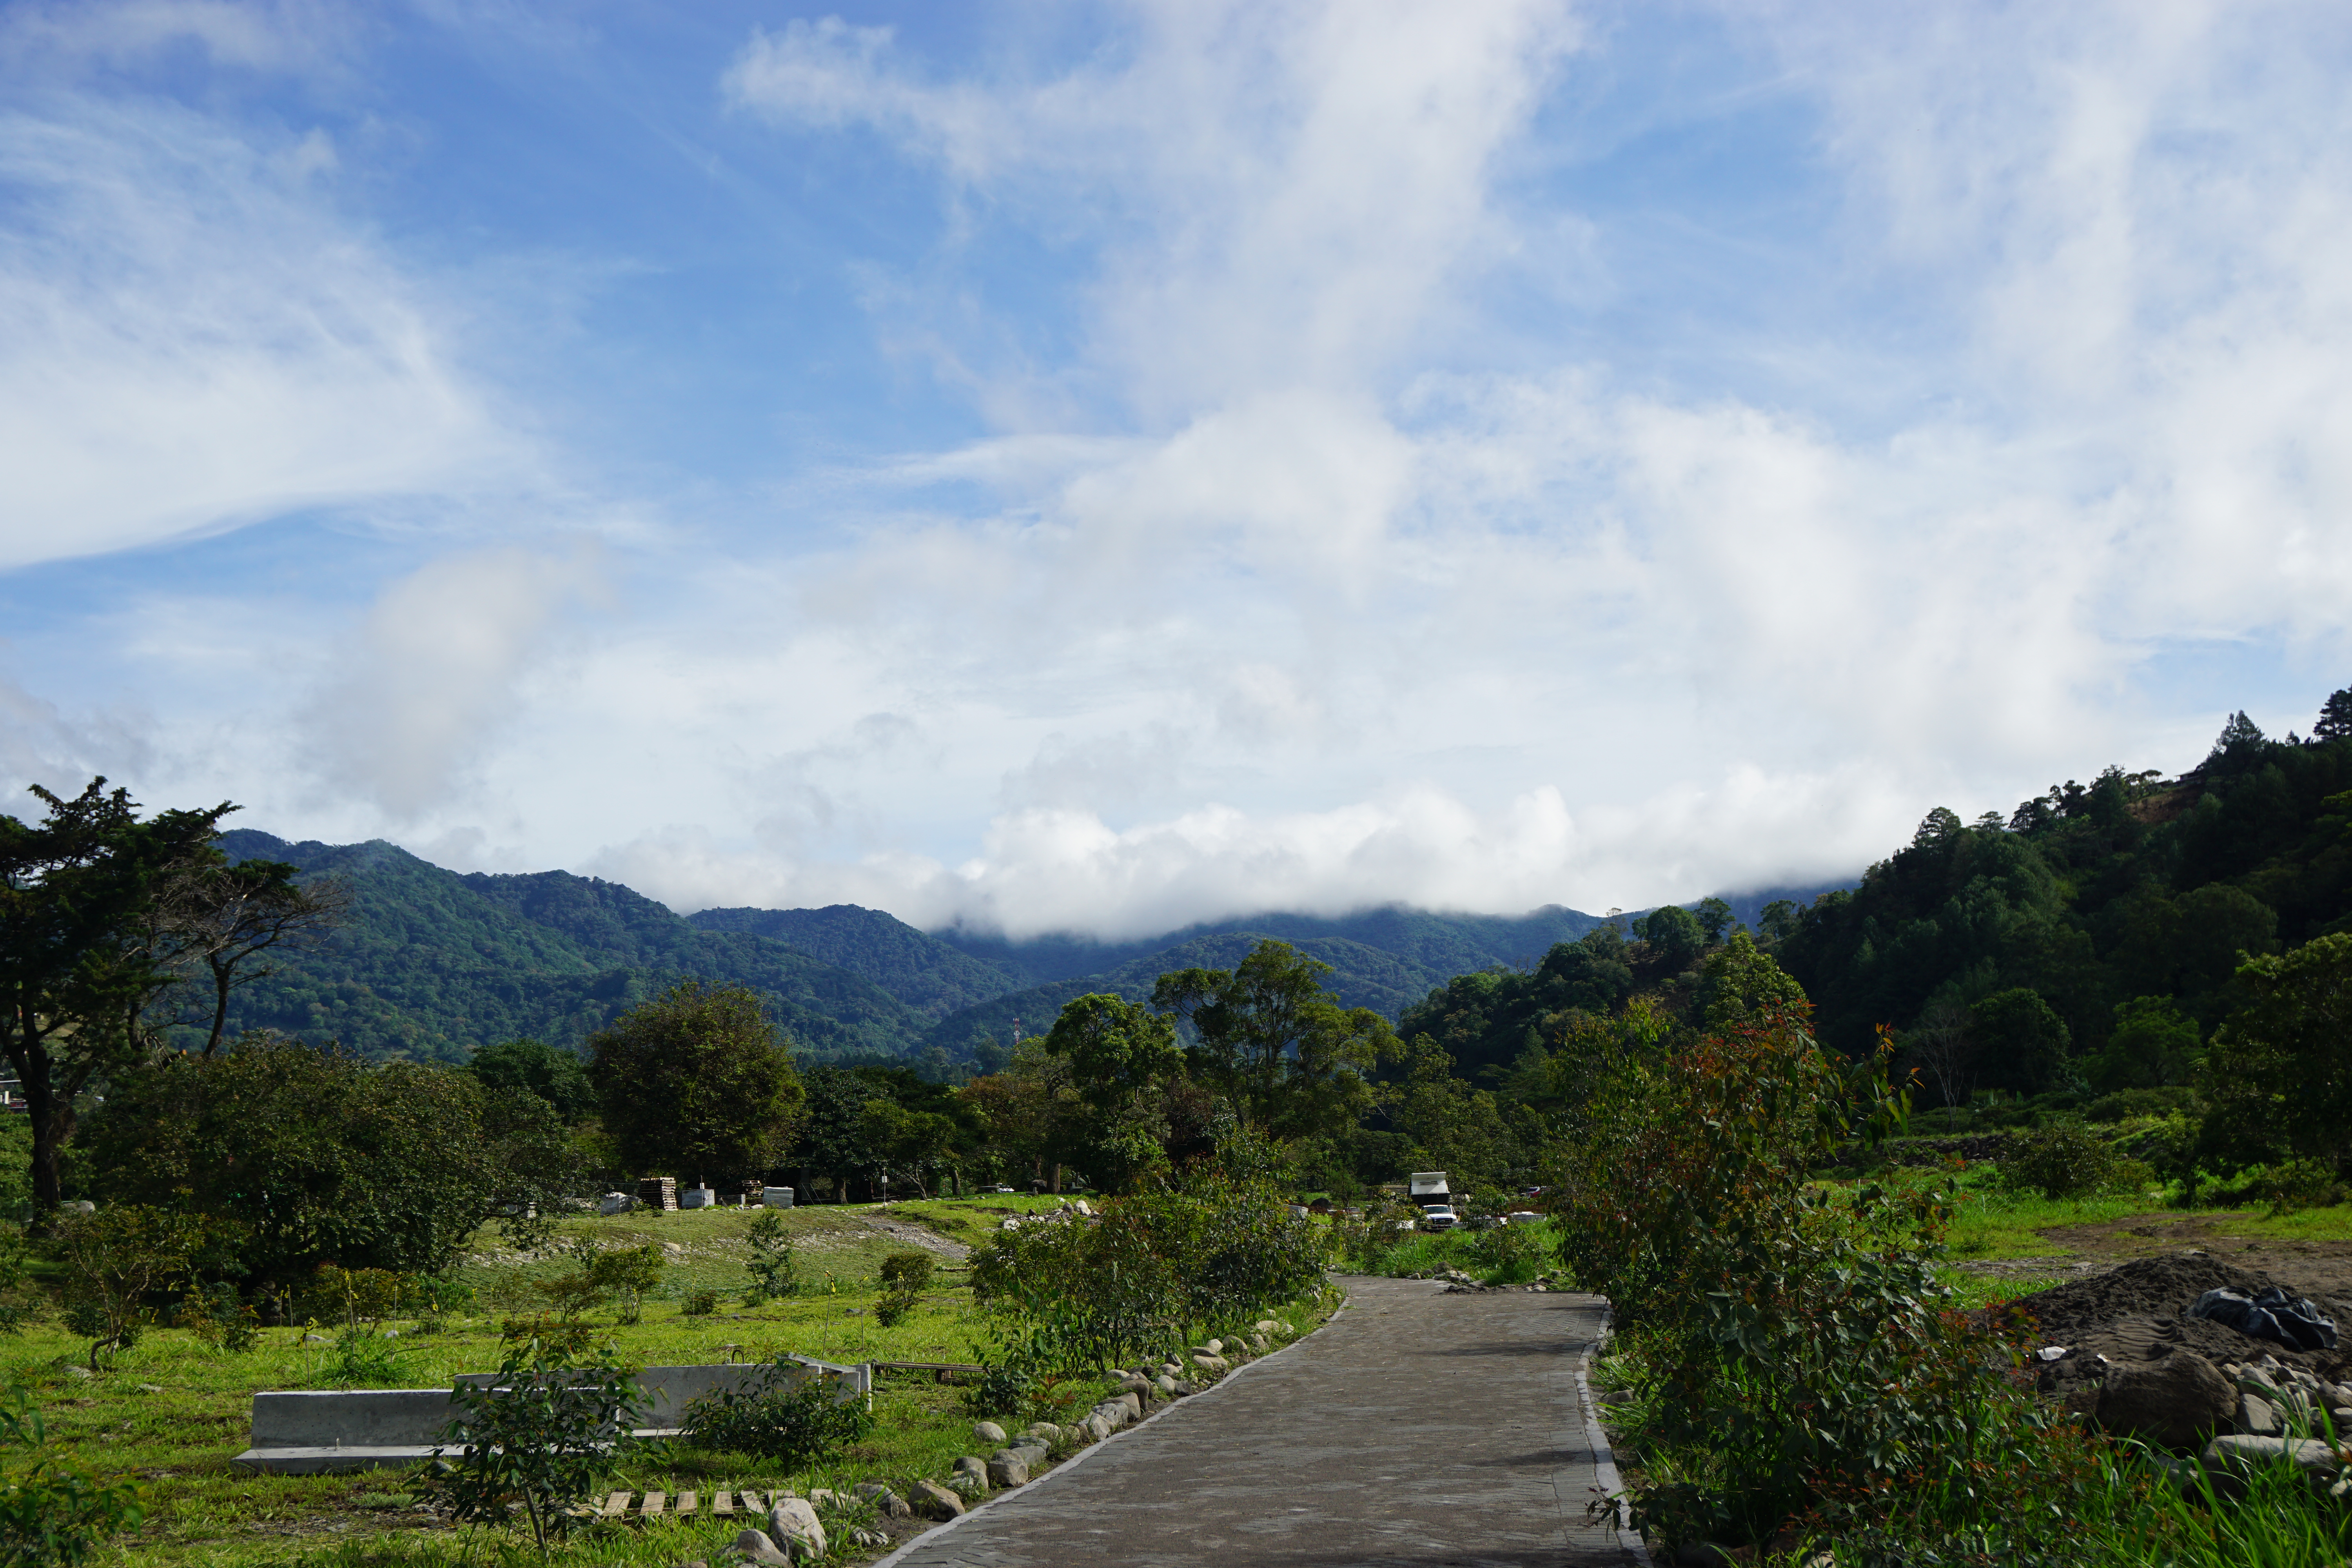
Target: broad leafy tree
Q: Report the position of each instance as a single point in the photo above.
(550, 1072)
(1276, 1047)
(1740, 984)
(1120, 1058)
(2278, 1074)
(697, 1083)
(1675, 936)
(2024, 1041)
(321, 1157)
(86, 948)
(1715, 917)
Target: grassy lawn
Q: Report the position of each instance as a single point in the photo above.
(171, 1412)
(1998, 1227)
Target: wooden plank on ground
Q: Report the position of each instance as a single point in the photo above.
(722, 1502)
(685, 1502)
(653, 1505)
(617, 1504)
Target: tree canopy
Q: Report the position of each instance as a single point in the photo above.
(697, 1084)
(1274, 1045)
(311, 1154)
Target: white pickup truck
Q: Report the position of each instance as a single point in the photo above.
(1427, 1191)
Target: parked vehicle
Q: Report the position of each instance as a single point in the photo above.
(1439, 1217)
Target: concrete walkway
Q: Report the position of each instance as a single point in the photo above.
(1417, 1428)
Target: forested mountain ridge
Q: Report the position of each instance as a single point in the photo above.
(1442, 944)
(926, 974)
(1363, 976)
(430, 964)
(2134, 892)
(433, 964)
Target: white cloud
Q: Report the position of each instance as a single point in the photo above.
(436, 669)
(1280, 194)
(189, 337)
(1321, 568)
(273, 35)
(41, 745)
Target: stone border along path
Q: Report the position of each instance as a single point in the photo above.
(1417, 1427)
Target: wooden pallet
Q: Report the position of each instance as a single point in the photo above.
(682, 1505)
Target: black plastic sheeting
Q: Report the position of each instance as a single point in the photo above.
(2290, 1320)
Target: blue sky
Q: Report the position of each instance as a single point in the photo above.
(1100, 467)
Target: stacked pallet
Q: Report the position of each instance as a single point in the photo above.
(658, 1193)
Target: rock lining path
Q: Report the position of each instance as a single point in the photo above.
(1417, 1428)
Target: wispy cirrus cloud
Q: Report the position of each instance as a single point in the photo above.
(192, 336)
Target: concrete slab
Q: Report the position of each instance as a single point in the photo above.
(314, 1431)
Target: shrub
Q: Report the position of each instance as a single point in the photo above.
(1073, 1294)
(774, 1271)
(561, 1339)
(52, 1516)
(355, 1297)
(539, 1435)
(361, 1358)
(319, 1155)
(629, 1274)
(2061, 1160)
(1510, 1253)
(1791, 1352)
(904, 1276)
(702, 1303)
(1368, 1245)
(112, 1259)
(217, 1315)
(2300, 1184)
(2127, 1103)
(789, 1413)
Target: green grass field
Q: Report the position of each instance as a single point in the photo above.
(171, 1412)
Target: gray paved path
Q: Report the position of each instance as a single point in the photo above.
(1417, 1428)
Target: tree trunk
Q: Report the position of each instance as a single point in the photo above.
(29, 1055)
(1057, 1176)
(220, 1008)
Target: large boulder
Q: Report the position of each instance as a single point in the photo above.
(2242, 1454)
(793, 1525)
(753, 1546)
(2176, 1402)
(933, 1500)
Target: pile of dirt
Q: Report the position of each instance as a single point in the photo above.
(2138, 1312)
(2146, 1288)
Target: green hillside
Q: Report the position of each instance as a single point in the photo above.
(2104, 901)
(1363, 976)
(1445, 944)
(431, 964)
(922, 972)
(435, 964)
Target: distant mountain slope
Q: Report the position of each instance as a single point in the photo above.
(1363, 976)
(1748, 908)
(922, 972)
(1448, 942)
(435, 964)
